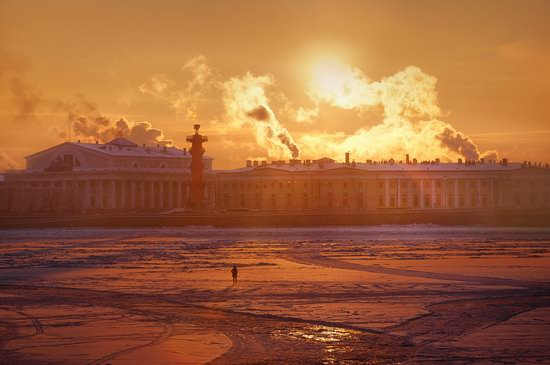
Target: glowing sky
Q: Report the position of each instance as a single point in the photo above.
(273, 79)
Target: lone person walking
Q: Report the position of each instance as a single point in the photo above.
(234, 273)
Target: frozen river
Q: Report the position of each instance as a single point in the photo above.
(330, 295)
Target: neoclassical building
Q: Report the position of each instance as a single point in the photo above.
(116, 176)
(121, 176)
(327, 185)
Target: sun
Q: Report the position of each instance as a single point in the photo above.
(330, 76)
(338, 84)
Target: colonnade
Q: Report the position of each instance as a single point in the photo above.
(445, 196)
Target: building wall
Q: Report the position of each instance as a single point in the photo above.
(345, 190)
(274, 190)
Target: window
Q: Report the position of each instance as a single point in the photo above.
(345, 200)
(415, 200)
(305, 201)
(273, 201)
(360, 201)
(380, 200)
(450, 200)
(427, 201)
(329, 200)
(258, 201)
(461, 200)
(392, 201)
(473, 200)
(438, 200)
(484, 201)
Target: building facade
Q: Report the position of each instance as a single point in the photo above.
(121, 176)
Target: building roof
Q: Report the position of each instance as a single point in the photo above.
(123, 147)
(378, 167)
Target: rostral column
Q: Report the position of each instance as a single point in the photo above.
(197, 168)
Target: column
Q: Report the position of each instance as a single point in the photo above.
(123, 194)
(386, 195)
(151, 194)
(178, 195)
(491, 193)
(456, 193)
(161, 194)
(99, 199)
(433, 192)
(112, 196)
(142, 195)
(398, 193)
(170, 195)
(421, 193)
(133, 194)
(478, 193)
(87, 194)
(410, 193)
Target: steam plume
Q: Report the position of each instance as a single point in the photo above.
(6, 162)
(409, 105)
(87, 122)
(246, 104)
(200, 79)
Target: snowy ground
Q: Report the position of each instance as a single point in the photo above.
(351, 295)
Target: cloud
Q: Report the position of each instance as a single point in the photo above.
(409, 108)
(246, 104)
(200, 79)
(87, 122)
(25, 98)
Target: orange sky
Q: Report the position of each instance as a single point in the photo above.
(491, 60)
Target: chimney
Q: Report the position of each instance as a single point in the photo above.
(158, 145)
(164, 149)
(185, 151)
(482, 160)
(504, 162)
(96, 141)
(437, 160)
(248, 163)
(264, 162)
(78, 141)
(347, 158)
(255, 163)
(407, 159)
(460, 161)
(415, 161)
(144, 145)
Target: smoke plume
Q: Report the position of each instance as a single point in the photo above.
(246, 104)
(6, 162)
(200, 80)
(408, 101)
(88, 123)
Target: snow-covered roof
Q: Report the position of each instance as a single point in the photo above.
(379, 167)
(123, 147)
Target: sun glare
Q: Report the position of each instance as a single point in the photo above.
(330, 76)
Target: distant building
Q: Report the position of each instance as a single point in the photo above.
(116, 176)
(122, 176)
